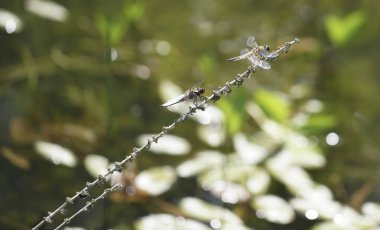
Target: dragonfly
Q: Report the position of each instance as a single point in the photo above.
(256, 55)
(191, 94)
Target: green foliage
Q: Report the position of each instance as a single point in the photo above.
(318, 123)
(112, 30)
(134, 10)
(207, 64)
(274, 106)
(233, 108)
(342, 30)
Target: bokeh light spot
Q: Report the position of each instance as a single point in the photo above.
(163, 48)
(332, 139)
(113, 54)
(10, 26)
(215, 224)
(311, 214)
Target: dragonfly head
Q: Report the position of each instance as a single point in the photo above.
(267, 48)
(201, 90)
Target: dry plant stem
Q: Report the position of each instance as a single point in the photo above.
(118, 166)
(89, 204)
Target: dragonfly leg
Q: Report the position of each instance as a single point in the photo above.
(198, 102)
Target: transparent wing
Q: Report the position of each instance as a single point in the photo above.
(198, 83)
(254, 60)
(243, 54)
(251, 41)
(176, 100)
(270, 55)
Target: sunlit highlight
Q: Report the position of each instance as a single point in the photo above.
(230, 197)
(47, 9)
(260, 214)
(113, 54)
(180, 220)
(314, 106)
(332, 139)
(215, 224)
(338, 218)
(10, 26)
(10, 22)
(56, 153)
(163, 48)
(311, 214)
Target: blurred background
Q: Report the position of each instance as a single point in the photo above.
(295, 147)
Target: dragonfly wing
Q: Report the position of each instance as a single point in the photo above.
(267, 55)
(264, 64)
(272, 55)
(175, 100)
(251, 41)
(243, 54)
(254, 60)
(197, 84)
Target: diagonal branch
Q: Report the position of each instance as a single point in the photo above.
(118, 166)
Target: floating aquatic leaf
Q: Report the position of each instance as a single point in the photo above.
(273, 209)
(372, 211)
(204, 211)
(96, 164)
(168, 144)
(157, 180)
(56, 153)
(258, 181)
(249, 152)
(203, 161)
(325, 209)
(347, 218)
(166, 221)
(47, 9)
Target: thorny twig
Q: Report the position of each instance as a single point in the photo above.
(118, 166)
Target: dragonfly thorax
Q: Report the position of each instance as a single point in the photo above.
(267, 48)
(200, 91)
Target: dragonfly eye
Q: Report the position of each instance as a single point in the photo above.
(266, 48)
(201, 90)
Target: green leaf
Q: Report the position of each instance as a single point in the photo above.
(343, 30)
(274, 106)
(207, 64)
(134, 10)
(112, 30)
(118, 31)
(234, 111)
(102, 24)
(320, 123)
